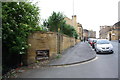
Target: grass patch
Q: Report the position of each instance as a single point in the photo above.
(58, 56)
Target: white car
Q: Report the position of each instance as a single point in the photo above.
(103, 46)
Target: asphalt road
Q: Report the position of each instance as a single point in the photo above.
(103, 66)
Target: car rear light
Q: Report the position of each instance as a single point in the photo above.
(90, 42)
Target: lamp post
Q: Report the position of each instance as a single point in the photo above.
(58, 40)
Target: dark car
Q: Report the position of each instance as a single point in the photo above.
(119, 40)
(93, 43)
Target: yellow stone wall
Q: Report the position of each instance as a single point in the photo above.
(51, 41)
(41, 41)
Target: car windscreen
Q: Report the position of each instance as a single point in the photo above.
(94, 40)
(91, 40)
(103, 42)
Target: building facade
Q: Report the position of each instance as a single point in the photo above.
(103, 33)
(114, 33)
(110, 32)
(78, 27)
(85, 34)
(80, 31)
(92, 34)
(88, 34)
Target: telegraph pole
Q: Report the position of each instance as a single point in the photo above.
(73, 7)
(73, 14)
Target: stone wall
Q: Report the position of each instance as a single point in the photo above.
(54, 42)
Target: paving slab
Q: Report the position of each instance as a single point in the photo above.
(81, 52)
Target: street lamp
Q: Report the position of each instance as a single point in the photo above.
(59, 40)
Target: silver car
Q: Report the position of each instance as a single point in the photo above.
(103, 46)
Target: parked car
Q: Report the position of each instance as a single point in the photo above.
(92, 41)
(89, 40)
(103, 46)
(119, 40)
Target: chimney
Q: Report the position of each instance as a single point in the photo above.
(74, 22)
(74, 18)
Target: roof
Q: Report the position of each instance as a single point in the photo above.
(117, 24)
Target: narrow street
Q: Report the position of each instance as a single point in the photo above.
(103, 66)
(55, 39)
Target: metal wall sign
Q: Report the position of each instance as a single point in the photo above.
(42, 54)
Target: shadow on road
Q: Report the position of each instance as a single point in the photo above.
(104, 53)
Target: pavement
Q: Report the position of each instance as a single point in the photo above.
(114, 40)
(79, 53)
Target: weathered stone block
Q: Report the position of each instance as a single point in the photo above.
(54, 42)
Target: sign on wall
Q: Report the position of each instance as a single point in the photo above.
(42, 54)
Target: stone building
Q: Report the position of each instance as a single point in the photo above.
(103, 33)
(89, 34)
(80, 31)
(85, 34)
(92, 34)
(114, 33)
(73, 22)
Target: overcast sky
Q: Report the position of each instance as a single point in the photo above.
(90, 13)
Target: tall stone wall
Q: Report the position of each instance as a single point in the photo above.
(54, 42)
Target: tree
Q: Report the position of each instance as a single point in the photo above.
(19, 19)
(69, 30)
(55, 21)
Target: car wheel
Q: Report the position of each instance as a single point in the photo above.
(95, 49)
(97, 52)
(112, 52)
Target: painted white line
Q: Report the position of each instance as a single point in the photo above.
(77, 64)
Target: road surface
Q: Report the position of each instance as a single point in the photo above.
(103, 66)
